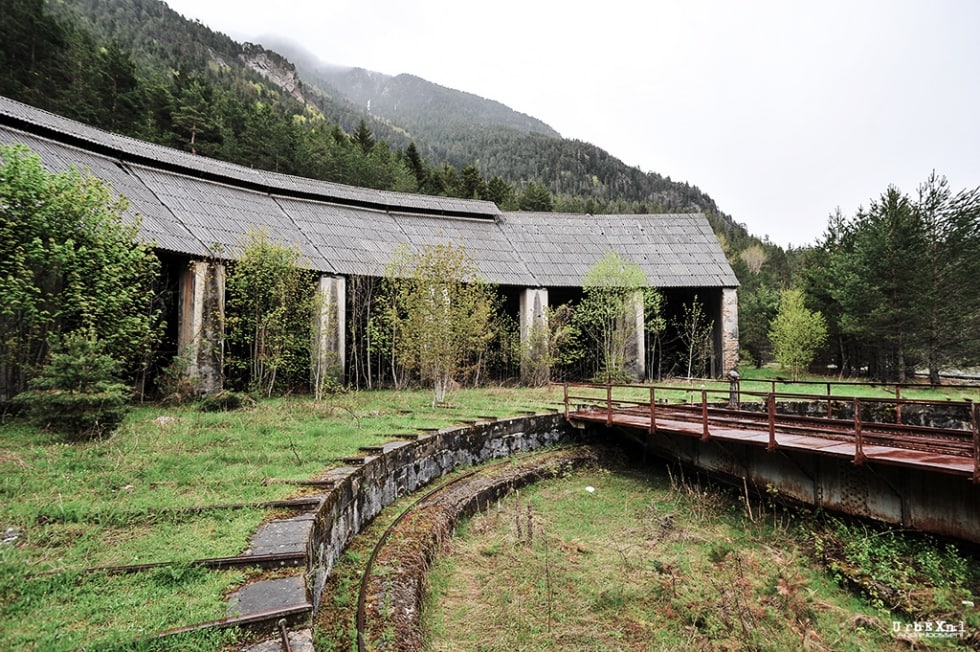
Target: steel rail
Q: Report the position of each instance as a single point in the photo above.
(268, 616)
(383, 539)
(264, 561)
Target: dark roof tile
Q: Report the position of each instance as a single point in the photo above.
(199, 207)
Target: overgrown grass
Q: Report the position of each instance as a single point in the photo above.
(68, 507)
(647, 562)
(915, 575)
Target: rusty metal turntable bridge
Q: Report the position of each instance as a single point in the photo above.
(908, 461)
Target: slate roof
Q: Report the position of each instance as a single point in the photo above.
(673, 250)
(200, 207)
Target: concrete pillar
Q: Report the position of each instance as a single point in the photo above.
(330, 331)
(729, 329)
(200, 330)
(635, 358)
(535, 366)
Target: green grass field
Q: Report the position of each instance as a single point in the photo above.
(68, 507)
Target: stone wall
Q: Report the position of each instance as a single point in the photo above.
(391, 471)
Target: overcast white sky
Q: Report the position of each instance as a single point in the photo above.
(780, 110)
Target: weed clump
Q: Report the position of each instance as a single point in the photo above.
(910, 574)
(225, 401)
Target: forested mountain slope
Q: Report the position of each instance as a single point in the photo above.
(459, 128)
(139, 68)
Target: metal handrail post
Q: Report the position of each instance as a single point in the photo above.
(898, 404)
(975, 418)
(704, 413)
(771, 408)
(653, 411)
(858, 442)
(608, 404)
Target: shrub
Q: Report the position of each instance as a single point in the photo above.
(76, 393)
(71, 261)
(176, 384)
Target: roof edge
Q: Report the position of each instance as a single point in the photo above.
(46, 124)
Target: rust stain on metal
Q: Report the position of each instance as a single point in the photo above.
(944, 450)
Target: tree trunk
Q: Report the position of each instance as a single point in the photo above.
(901, 374)
(440, 384)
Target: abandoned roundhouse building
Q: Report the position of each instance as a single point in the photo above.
(196, 212)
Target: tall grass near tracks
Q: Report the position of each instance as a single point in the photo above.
(631, 560)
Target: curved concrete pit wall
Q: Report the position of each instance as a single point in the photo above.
(915, 498)
(391, 471)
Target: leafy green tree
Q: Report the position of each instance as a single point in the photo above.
(501, 193)
(564, 344)
(444, 181)
(757, 307)
(381, 169)
(896, 282)
(614, 291)
(193, 119)
(33, 53)
(269, 316)
(694, 332)
(77, 392)
(363, 138)
(536, 197)
(818, 283)
(69, 263)
(797, 333)
(118, 88)
(416, 165)
(438, 314)
(950, 299)
(879, 282)
(472, 184)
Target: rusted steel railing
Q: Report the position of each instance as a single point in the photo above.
(771, 415)
(645, 406)
(653, 410)
(975, 423)
(858, 442)
(704, 415)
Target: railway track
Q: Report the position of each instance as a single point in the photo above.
(398, 593)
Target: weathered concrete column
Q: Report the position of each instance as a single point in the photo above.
(200, 329)
(330, 331)
(635, 358)
(535, 366)
(729, 329)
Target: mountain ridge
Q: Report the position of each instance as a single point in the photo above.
(452, 130)
(406, 98)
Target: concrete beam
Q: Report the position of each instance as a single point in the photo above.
(330, 331)
(200, 329)
(535, 357)
(729, 329)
